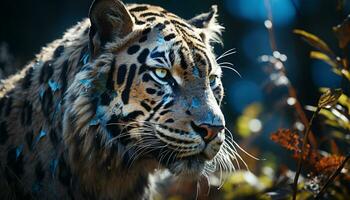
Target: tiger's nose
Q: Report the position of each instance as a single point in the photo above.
(207, 131)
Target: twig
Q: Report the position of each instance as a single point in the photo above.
(305, 142)
(291, 90)
(331, 179)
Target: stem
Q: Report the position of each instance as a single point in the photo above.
(300, 160)
(331, 179)
(302, 116)
(291, 90)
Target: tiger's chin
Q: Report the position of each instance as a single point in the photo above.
(191, 167)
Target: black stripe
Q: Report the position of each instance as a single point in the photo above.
(46, 72)
(54, 137)
(121, 74)
(39, 171)
(133, 115)
(58, 51)
(126, 92)
(46, 102)
(172, 57)
(181, 24)
(164, 112)
(155, 109)
(110, 81)
(8, 106)
(191, 36)
(29, 139)
(113, 126)
(142, 69)
(151, 19)
(169, 37)
(151, 91)
(143, 56)
(183, 60)
(175, 140)
(138, 22)
(63, 77)
(146, 14)
(15, 162)
(27, 81)
(138, 9)
(146, 106)
(3, 133)
(64, 172)
(133, 49)
(26, 114)
(169, 104)
(169, 120)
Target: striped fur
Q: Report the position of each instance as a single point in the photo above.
(78, 123)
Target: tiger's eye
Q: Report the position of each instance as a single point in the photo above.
(161, 73)
(212, 79)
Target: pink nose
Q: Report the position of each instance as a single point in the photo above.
(207, 131)
(211, 131)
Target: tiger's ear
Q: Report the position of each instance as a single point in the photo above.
(109, 20)
(211, 30)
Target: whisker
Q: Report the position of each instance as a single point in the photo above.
(226, 53)
(232, 69)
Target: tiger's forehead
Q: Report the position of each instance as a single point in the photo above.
(173, 43)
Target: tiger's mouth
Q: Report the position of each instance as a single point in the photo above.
(193, 166)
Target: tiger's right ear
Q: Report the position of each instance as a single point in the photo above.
(110, 20)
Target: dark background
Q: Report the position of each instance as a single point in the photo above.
(28, 25)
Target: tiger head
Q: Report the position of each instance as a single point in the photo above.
(152, 85)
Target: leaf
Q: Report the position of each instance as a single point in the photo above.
(329, 98)
(342, 32)
(321, 56)
(327, 165)
(346, 73)
(345, 101)
(314, 41)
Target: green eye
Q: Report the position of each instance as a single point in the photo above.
(161, 73)
(213, 80)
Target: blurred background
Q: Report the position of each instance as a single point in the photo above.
(256, 104)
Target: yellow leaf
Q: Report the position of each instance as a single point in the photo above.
(329, 98)
(314, 41)
(342, 32)
(321, 56)
(345, 101)
(346, 73)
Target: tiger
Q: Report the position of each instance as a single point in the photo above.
(125, 94)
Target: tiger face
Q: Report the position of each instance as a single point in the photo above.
(161, 89)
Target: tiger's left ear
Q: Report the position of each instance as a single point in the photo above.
(110, 20)
(211, 30)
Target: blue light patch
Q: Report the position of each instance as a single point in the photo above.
(210, 117)
(41, 135)
(85, 58)
(94, 122)
(86, 82)
(53, 166)
(195, 102)
(160, 39)
(54, 85)
(41, 92)
(19, 151)
(195, 71)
